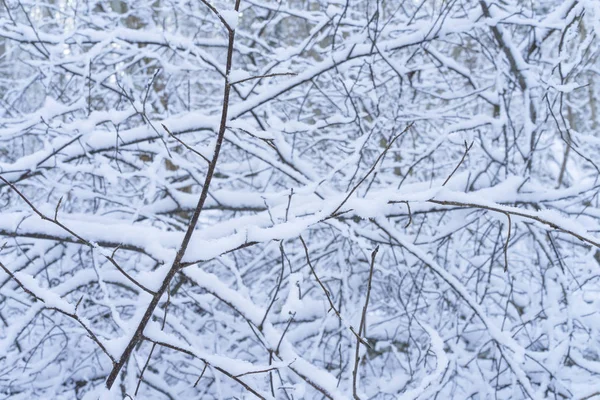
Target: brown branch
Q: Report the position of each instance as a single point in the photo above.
(201, 374)
(190, 148)
(409, 214)
(256, 372)
(176, 265)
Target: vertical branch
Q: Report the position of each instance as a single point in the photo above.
(362, 325)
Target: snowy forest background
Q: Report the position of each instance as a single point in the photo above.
(300, 199)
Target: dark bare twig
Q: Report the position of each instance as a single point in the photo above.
(467, 148)
(260, 326)
(518, 214)
(143, 113)
(284, 332)
(568, 141)
(264, 76)
(40, 214)
(262, 371)
(506, 244)
(45, 53)
(287, 209)
(409, 215)
(241, 246)
(57, 207)
(362, 325)
(201, 374)
(141, 377)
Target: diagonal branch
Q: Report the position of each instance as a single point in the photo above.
(363, 321)
(176, 265)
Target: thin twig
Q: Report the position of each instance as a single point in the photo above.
(513, 213)
(287, 209)
(362, 326)
(467, 148)
(144, 369)
(506, 244)
(177, 262)
(190, 148)
(260, 326)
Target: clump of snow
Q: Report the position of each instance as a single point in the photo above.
(231, 18)
(116, 347)
(238, 75)
(332, 10)
(293, 303)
